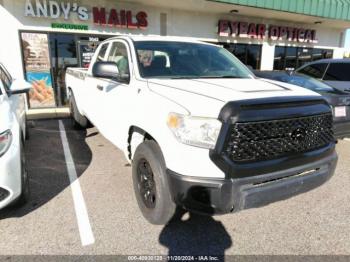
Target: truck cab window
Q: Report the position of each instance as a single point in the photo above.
(338, 72)
(314, 70)
(119, 55)
(158, 59)
(102, 53)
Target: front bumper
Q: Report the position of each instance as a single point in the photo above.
(220, 196)
(342, 129)
(10, 175)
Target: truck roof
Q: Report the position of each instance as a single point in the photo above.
(331, 60)
(158, 38)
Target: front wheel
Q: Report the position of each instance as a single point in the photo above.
(151, 185)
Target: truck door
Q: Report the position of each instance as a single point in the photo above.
(116, 96)
(91, 91)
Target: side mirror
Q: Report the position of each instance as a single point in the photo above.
(107, 70)
(19, 86)
(290, 71)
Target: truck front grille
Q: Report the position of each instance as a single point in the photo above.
(265, 140)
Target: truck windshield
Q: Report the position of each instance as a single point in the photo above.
(309, 83)
(176, 60)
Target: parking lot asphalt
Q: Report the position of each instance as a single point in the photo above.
(317, 222)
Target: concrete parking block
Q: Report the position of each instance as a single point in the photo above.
(48, 113)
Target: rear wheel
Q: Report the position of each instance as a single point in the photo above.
(78, 120)
(150, 184)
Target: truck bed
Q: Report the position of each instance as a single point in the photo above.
(77, 72)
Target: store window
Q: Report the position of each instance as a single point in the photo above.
(304, 56)
(318, 54)
(291, 54)
(295, 57)
(87, 46)
(46, 57)
(248, 54)
(279, 57)
(253, 56)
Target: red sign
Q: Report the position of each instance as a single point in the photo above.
(252, 30)
(121, 18)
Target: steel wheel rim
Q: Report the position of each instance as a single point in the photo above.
(146, 184)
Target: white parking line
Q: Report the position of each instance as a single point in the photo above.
(86, 235)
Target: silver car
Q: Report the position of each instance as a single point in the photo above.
(13, 175)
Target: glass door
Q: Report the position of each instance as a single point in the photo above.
(304, 56)
(249, 54)
(63, 52)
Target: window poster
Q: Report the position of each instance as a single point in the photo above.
(37, 68)
(86, 52)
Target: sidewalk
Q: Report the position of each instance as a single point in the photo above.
(48, 113)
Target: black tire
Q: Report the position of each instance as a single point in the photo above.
(25, 192)
(155, 201)
(79, 121)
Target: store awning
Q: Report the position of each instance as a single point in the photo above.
(328, 9)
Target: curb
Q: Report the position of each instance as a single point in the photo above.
(48, 113)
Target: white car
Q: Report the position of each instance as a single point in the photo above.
(13, 176)
(200, 130)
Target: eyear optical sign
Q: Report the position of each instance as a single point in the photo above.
(113, 17)
(274, 32)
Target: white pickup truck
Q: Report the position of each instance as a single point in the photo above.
(200, 130)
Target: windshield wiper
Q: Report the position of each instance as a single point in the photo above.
(183, 77)
(198, 77)
(225, 76)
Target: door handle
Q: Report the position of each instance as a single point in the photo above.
(99, 87)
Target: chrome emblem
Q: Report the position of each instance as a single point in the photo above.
(298, 134)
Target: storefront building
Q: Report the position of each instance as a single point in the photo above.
(41, 38)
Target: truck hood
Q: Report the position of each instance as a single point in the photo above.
(206, 97)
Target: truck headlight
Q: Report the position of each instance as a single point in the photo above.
(5, 141)
(195, 131)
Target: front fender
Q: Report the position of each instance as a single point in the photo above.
(181, 158)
